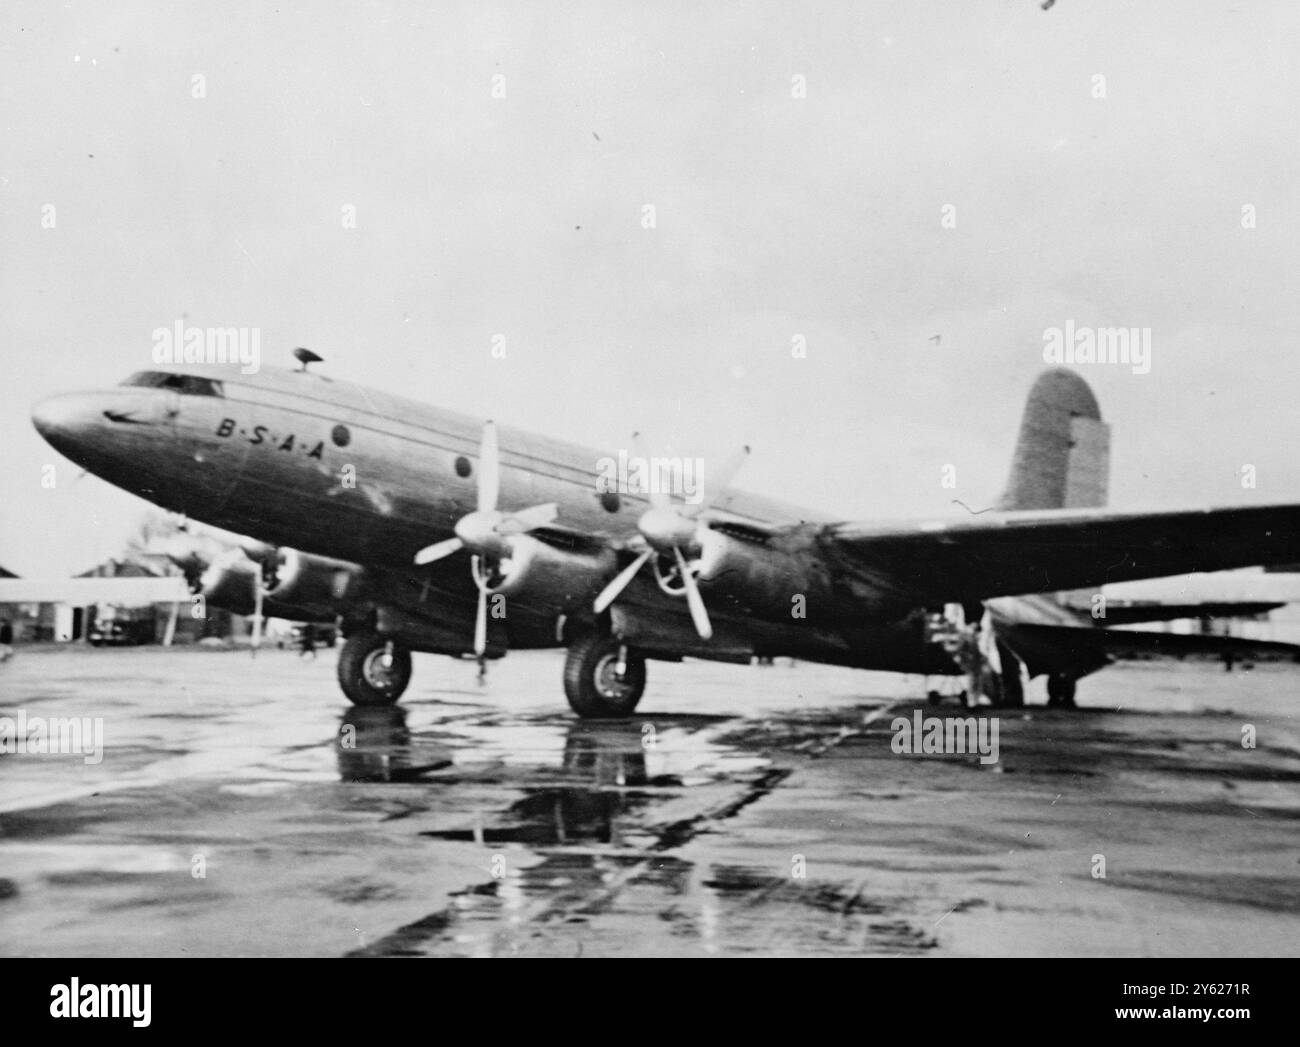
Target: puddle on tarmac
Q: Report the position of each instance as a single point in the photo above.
(586, 834)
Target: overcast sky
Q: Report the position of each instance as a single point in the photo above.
(775, 216)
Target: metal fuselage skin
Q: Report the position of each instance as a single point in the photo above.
(297, 459)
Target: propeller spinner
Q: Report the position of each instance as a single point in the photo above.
(487, 531)
(672, 530)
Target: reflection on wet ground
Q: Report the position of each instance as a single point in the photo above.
(238, 811)
(613, 786)
(603, 825)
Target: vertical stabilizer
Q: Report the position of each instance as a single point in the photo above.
(1062, 458)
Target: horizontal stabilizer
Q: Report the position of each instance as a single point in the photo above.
(1131, 614)
(1082, 650)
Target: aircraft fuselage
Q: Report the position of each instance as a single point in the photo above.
(340, 470)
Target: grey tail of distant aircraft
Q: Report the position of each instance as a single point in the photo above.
(1062, 458)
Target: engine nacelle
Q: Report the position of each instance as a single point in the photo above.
(230, 582)
(309, 581)
(303, 587)
(761, 578)
(557, 580)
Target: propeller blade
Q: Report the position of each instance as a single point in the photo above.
(694, 600)
(612, 591)
(480, 617)
(658, 499)
(528, 519)
(439, 550)
(259, 592)
(489, 469)
(716, 486)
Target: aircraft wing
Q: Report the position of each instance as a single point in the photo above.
(126, 592)
(1079, 650)
(1017, 553)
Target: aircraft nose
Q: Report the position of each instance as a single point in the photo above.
(61, 416)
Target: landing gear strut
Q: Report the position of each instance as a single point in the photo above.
(602, 678)
(1013, 691)
(373, 669)
(1060, 691)
(990, 668)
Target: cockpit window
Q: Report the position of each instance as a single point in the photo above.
(188, 384)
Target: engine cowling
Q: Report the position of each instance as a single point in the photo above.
(305, 580)
(230, 582)
(298, 586)
(761, 578)
(559, 581)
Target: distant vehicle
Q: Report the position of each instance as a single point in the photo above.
(122, 627)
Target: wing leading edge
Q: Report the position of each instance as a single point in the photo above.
(1011, 554)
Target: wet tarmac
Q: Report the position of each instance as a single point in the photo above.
(242, 808)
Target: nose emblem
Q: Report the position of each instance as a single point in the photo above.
(124, 417)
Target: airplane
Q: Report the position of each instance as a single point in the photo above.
(419, 528)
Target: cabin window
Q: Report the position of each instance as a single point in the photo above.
(341, 436)
(609, 500)
(462, 466)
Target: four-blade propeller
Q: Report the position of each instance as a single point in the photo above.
(672, 530)
(665, 529)
(486, 531)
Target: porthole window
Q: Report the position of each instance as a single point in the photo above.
(462, 466)
(609, 500)
(341, 436)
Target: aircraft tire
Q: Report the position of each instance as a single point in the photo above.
(593, 691)
(363, 674)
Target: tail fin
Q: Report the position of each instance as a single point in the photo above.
(1062, 458)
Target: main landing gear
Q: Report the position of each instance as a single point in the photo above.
(991, 669)
(373, 669)
(602, 678)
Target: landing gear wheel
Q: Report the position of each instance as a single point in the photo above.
(592, 683)
(1060, 691)
(373, 669)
